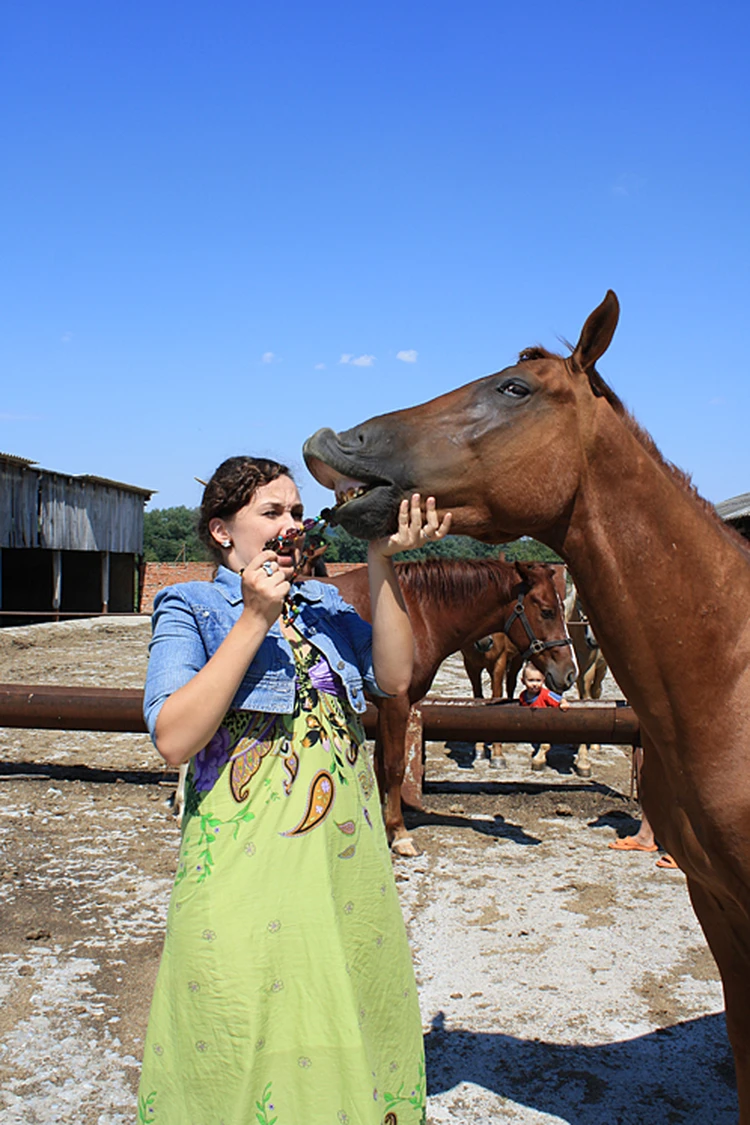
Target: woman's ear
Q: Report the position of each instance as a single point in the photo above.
(218, 530)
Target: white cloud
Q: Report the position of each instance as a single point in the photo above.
(267, 357)
(357, 361)
(408, 356)
(320, 367)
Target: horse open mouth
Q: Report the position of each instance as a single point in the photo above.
(353, 498)
(366, 506)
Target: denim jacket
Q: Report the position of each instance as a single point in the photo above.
(192, 619)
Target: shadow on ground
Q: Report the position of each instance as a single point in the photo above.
(682, 1073)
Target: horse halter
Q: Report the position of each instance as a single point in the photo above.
(535, 645)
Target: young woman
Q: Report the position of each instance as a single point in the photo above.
(286, 991)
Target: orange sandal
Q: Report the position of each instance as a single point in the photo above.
(630, 844)
(667, 861)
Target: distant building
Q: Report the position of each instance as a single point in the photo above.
(68, 544)
(737, 512)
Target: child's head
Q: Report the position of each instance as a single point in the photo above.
(533, 679)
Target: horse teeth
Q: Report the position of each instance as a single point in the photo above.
(350, 494)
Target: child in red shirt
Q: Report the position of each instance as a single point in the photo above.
(535, 694)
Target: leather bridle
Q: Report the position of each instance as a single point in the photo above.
(535, 645)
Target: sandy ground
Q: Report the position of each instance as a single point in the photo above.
(559, 981)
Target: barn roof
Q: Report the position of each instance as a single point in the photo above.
(68, 512)
(116, 484)
(11, 459)
(736, 508)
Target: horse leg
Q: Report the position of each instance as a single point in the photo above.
(474, 673)
(539, 757)
(583, 762)
(497, 676)
(473, 666)
(727, 932)
(586, 682)
(514, 667)
(394, 717)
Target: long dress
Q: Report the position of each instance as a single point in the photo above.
(286, 993)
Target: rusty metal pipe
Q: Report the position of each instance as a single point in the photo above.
(110, 709)
(43, 706)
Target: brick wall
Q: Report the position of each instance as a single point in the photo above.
(155, 576)
(335, 569)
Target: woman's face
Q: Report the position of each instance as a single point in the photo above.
(273, 509)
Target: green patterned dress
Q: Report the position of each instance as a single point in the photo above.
(286, 992)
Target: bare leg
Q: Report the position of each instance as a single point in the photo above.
(643, 840)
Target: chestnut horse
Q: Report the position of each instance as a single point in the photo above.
(545, 448)
(492, 655)
(452, 602)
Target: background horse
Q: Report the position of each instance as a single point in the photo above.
(592, 667)
(661, 579)
(452, 602)
(492, 655)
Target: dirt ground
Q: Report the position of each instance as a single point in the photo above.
(559, 981)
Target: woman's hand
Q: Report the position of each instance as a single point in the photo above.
(413, 531)
(392, 641)
(265, 585)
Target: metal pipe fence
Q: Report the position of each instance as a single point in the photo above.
(43, 706)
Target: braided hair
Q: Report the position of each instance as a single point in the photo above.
(230, 488)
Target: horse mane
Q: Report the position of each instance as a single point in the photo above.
(602, 389)
(450, 580)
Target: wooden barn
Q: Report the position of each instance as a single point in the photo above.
(737, 512)
(68, 544)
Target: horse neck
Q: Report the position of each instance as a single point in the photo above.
(660, 581)
(446, 628)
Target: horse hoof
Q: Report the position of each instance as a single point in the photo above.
(538, 764)
(497, 764)
(405, 847)
(583, 771)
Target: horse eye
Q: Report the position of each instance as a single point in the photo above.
(514, 389)
(549, 614)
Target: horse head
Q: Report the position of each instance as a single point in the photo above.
(537, 628)
(506, 453)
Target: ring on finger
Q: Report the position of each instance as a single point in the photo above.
(268, 567)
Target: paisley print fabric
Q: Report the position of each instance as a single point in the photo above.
(286, 992)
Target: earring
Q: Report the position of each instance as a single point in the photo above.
(227, 543)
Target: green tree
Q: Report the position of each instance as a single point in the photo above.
(343, 547)
(170, 535)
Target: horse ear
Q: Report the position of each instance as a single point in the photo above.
(524, 570)
(597, 333)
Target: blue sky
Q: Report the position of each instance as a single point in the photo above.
(205, 207)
